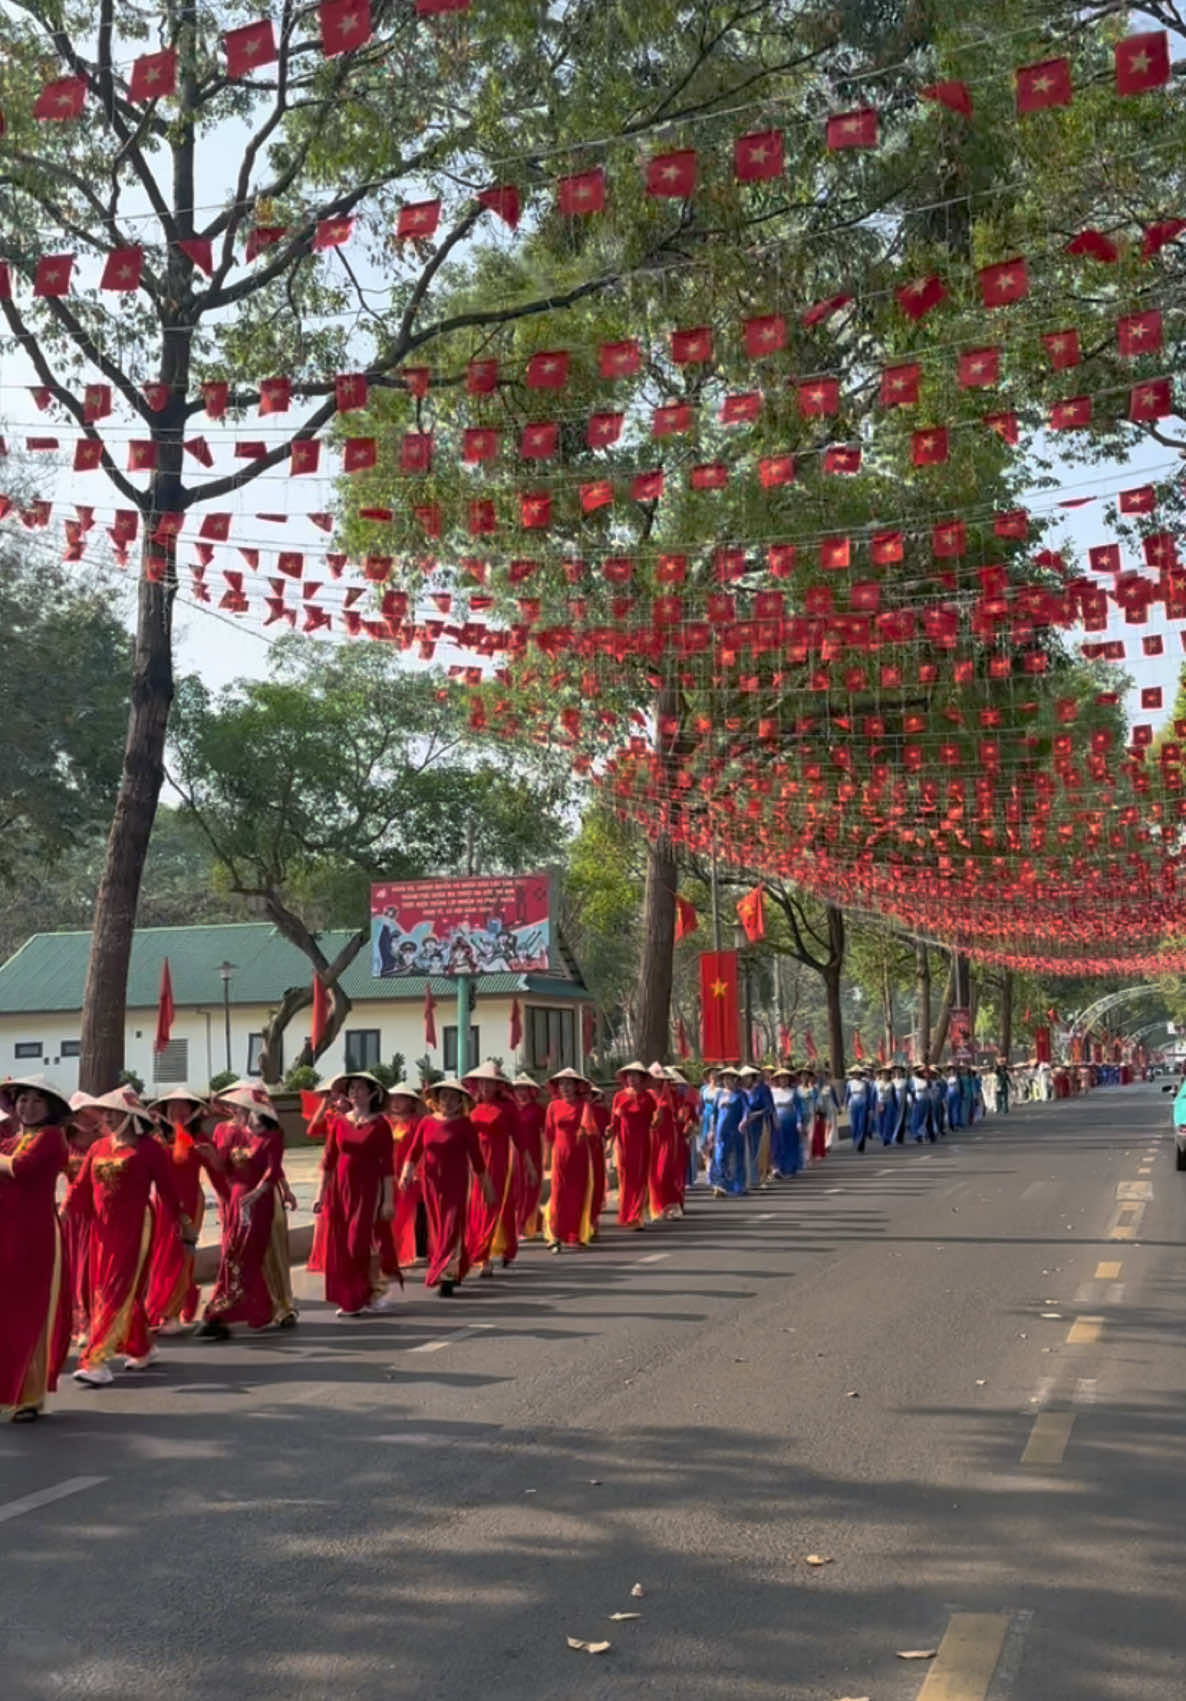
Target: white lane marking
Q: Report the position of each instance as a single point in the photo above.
(654, 1257)
(448, 1340)
(833, 1190)
(1115, 1294)
(1038, 1400)
(1085, 1391)
(763, 1217)
(47, 1496)
(888, 1170)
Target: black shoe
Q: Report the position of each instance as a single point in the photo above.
(555, 1247)
(212, 1330)
(446, 1289)
(288, 1322)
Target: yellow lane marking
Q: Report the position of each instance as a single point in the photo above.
(967, 1657)
(1133, 1190)
(1048, 1439)
(1084, 1331)
(1108, 1270)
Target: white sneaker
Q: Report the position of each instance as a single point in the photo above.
(150, 1357)
(98, 1376)
(384, 1302)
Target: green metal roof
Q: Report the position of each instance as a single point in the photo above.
(49, 970)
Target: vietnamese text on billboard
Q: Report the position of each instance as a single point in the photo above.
(486, 925)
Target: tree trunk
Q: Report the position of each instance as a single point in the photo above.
(836, 944)
(652, 1004)
(939, 1037)
(105, 996)
(887, 1008)
(1006, 1014)
(922, 960)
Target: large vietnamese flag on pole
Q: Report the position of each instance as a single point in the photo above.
(720, 1029)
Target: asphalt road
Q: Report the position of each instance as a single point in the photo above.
(956, 1373)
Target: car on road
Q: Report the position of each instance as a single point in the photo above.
(1178, 1115)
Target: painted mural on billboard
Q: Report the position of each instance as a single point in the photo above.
(485, 925)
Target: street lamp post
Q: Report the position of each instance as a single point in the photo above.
(225, 971)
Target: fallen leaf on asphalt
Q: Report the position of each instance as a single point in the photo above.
(638, 1591)
(594, 1482)
(981, 1381)
(530, 1491)
(917, 1653)
(819, 1559)
(852, 1394)
(620, 1617)
(588, 1647)
(1052, 1314)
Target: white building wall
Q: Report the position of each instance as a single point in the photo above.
(400, 1025)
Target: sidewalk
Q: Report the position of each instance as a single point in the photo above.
(301, 1167)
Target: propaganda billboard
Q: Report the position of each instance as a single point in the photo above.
(480, 925)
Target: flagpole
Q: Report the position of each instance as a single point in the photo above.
(463, 1059)
(716, 899)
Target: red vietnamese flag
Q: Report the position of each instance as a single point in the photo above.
(686, 919)
(1157, 236)
(122, 269)
(548, 371)
(165, 1011)
(1095, 245)
(1142, 62)
(418, 218)
(758, 155)
(979, 367)
(320, 1018)
(775, 470)
(345, 25)
(154, 75)
(817, 396)
(856, 129)
(619, 360)
(764, 335)
(331, 233)
(821, 310)
(741, 408)
(540, 440)
(899, 385)
(61, 99)
(720, 1030)
(886, 548)
(839, 458)
(199, 250)
(1151, 400)
(515, 1036)
(671, 419)
(916, 299)
(1062, 347)
(858, 1048)
(502, 200)
(955, 96)
(672, 174)
(929, 448)
(582, 193)
(1139, 333)
(430, 1022)
(1004, 283)
(1047, 83)
(691, 348)
(681, 1039)
(254, 44)
(52, 275)
(306, 456)
(1071, 414)
(752, 916)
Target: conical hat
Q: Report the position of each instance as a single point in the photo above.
(125, 1100)
(657, 1071)
(80, 1101)
(569, 1075)
(248, 1098)
(674, 1075)
(405, 1090)
(488, 1071)
(182, 1091)
(748, 1069)
(37, 1084)
(525, 1081)
(339, 1083)
(635, 1068)
(450, 1083)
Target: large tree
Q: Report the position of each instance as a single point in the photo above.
(233, 186)
(338, 770)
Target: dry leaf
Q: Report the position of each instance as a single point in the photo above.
(819, 1559)
(852, 1394)
(638, 1591)
(917, 1653)
(620, 1617)
(588, 1647)
(981, 1381)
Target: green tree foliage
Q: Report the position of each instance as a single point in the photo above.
(62, 707)
(340, 769)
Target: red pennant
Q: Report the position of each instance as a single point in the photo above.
(322, 1005)
(332, 233)
(776, 470)
(619, 360)
(165, 1011)
(141, 456)
(52, 275)
(857, 129)
(956, 97)
(96, 402)
(1151, 400)
(358, 454)
(306, 456)
(603, 429)
(1047, 83)
(548, 371)
(478, 443)
(818, 396)
(515, 1033)
(1005, 283)
(918, 298)
(686, 919)
(345, 25)
(1062, 348)
(672, 175)
(1095, 245)
(759, 155)
(1157, 236)
(979, 368)
(275, 394)
(64, 98)
(691, 348)
(929, 448)
(752, 915)
(418, 219)
(122, 269)
(88, 454)
(415, 453)
(1071, 415)
(672, 419)
(261, 237)
(154, 75)
(199, 449)
(504, 201)
(249, 47)
(1142, 62)
(899, 385)
(582, 193)
(350, 392)
(200, 250)
(430, 1025)
(1139, 333)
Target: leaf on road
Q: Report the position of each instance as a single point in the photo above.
(638, 1591)
(852, 1394)
(819, 1559)
(620, 1617)
(917, 1653)
(580, 1647)
(981, 1381)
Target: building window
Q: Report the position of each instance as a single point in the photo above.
(451, 1049)
(70, 1048)
(27, 1048)
(255, 1046)
(172, 1064)
(551, 1039)
(362, 1048)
